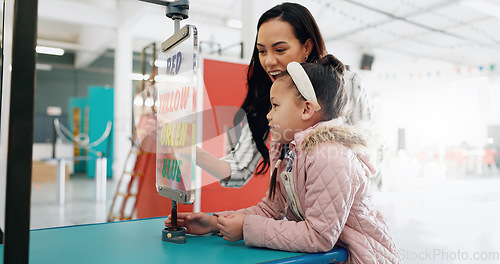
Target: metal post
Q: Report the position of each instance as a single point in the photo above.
(104, 175)
(54, 139)
(100, 178)
(174, 214)
(242, 50)
(177, 11)
(61, 181)
(177, 24)
(97, 178)
(20, 128)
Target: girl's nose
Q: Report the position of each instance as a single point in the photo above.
(268, 116)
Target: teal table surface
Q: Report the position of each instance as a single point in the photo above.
(139, 241)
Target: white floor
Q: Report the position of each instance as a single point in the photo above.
(457, 221)
(80, 205)
(448, 220)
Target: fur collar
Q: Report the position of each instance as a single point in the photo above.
(356, 138)
(349, 136)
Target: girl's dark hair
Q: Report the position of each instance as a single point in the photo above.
(257, 102)
(327, 78)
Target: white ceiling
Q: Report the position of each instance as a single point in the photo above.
(444, 30)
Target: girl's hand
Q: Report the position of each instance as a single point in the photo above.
(195, 223)
(231, 226)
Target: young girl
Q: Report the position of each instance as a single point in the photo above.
(318, 195)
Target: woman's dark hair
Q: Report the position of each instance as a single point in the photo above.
(257, 102)
(327, 79)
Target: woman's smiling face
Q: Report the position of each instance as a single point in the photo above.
(278, 46)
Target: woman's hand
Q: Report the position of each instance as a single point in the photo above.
(146, 132)
(195, 223)
(152, 125)
(231, 226)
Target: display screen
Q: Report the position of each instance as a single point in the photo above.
(177, 118)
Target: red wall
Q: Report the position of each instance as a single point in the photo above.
(225, 84)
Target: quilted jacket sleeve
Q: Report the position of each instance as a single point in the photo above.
(330, 191)
(268, 208)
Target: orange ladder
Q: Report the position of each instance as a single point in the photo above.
(124, 205)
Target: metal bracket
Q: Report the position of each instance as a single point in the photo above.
(176, 38)
(174, 235)
(178, 9)
(174, 195)
(175, 9)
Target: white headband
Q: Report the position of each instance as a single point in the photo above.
(304, 85)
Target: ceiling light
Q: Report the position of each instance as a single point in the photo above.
(138, 76)
(160, 63)
(49, 50)
(138, 100)
(171, 79)
(149, 101)
(482, 6)
(43, 67)
(54, 111)
(234, 23)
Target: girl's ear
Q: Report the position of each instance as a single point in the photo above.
(308, 110)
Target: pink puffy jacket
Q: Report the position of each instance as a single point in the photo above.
(330, 181)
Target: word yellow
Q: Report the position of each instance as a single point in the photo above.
(175, 100)
(173, 134)
(171, 169)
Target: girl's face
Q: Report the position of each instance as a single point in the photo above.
(278, 46)
(285, 116)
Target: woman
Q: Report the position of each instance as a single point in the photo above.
(285, 33)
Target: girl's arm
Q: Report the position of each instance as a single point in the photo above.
(330, 191)
(268, 208)
(231, 223)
